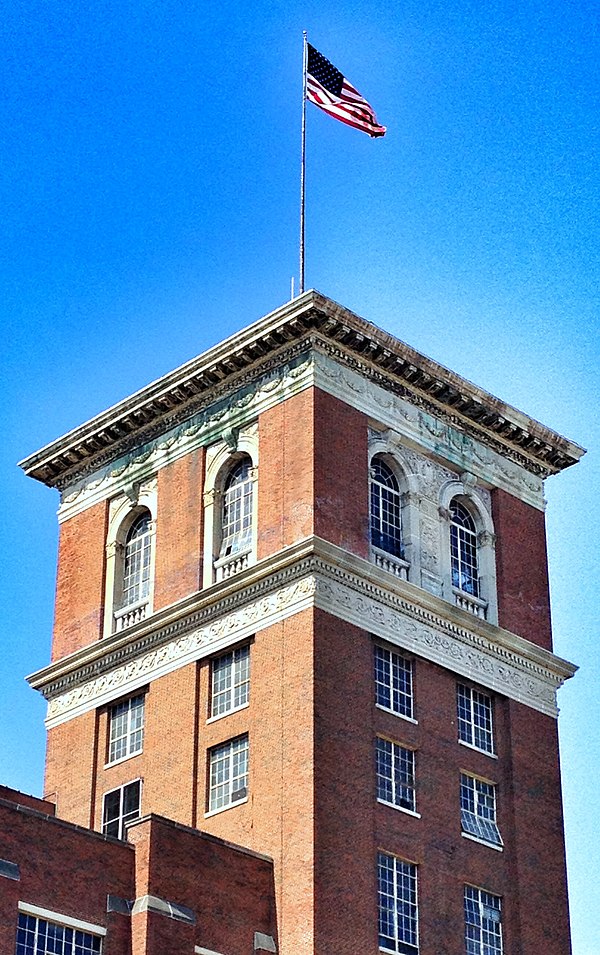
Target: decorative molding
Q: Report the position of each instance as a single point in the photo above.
(228, 416)
(403, 420)
(234, 414)
(313, 574)
(301, 323)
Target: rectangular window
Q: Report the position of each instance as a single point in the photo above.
(393, 681)
(483, 924)
(119, 807)
(228, 773)
(126, 729)
(478, 809)
(475, 718)
(230, 681)
(36, 936)
(397, 884)
(395, 774)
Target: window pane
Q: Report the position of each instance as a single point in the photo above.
(474, 710)
(228, 773)
(36, 936)
(386, 526)
(393, 681)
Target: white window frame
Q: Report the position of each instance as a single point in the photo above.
(225, 791)
(395, 772)
(483, 922)
(474, 700)
(478, 810)
(397, 905)
(386, 446)
(221, 458)
(122, 513)
(123, 818)
(390, 659)
(132, 731)
(484, 603)
(28, 911)
(236, 667)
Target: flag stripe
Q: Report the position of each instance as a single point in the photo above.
(332, 93)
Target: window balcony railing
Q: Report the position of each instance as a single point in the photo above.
(390, 563)
(131, 614)
(470, 603)
(232, 564)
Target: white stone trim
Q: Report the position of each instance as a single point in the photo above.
(122, 512)
(425, 432)
(418, 428)
(486, 539)
(224, 416)
(59, 919)
(386, 445)
(220, 457)
(325, 577)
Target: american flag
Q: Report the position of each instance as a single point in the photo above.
(327, 88)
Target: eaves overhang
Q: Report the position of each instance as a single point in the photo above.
(316, 321)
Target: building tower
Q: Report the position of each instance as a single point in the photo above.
(302, 606)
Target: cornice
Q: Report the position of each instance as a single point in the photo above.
(317, 574)
(178, 395)
(411, 423)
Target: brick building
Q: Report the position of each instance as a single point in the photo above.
(302, 695)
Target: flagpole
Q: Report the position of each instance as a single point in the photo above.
(303, 164)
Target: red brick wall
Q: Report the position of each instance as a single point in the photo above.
(350, 826)
(313, 473)
(537, 862)
(341, 474)
(71, 758)
(80, 581)
(230, 890)
(286, 473)
(31, 802)
(64, 870)
(278, 818)
(179, 524)
(521, 568)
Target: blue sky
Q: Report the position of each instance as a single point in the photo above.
(149, 195)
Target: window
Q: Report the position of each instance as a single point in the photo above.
(119, 807)
(230, 681)
(36, 936)
(126, 729)
(463, 549)
(478, 809)
(136, 562)
(393, 681)
(386, 525)
(228, 774)
(483, 924)
(395, 774)
(475, 718)
(236, 521)
(397, 883)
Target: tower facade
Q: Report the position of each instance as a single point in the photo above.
(302, 606)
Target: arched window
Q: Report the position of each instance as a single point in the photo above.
(130, 547)
(386, 509)
(136, 562)
(236, 518)
(463, 549)
(230, 505)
